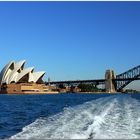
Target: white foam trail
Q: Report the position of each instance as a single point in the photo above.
(104, 118)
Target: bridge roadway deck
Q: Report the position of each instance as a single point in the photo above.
(78, 81)
(95, 81)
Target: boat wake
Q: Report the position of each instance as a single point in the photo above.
(113, 117)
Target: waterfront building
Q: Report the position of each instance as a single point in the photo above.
(14, 78)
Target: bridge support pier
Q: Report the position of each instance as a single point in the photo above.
(110, 86)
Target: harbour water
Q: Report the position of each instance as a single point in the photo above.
(70, 116)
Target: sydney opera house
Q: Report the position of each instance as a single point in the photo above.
(14, 78)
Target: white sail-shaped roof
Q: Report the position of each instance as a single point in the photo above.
(24, 72)
(31, 78)
(20, 64)
(13, 75)
(6, 71)
(15, 72)
(37, 75)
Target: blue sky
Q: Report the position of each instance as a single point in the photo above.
(71, 40)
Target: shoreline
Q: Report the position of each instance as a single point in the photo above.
(56, 92)
(19, 93)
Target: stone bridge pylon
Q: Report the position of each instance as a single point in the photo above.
(110, 85)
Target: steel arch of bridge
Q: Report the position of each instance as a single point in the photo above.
(127, 77)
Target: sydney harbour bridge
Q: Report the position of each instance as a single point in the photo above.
(112, 82)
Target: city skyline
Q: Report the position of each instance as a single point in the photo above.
(71, 40)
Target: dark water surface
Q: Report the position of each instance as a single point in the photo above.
(70, 116)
